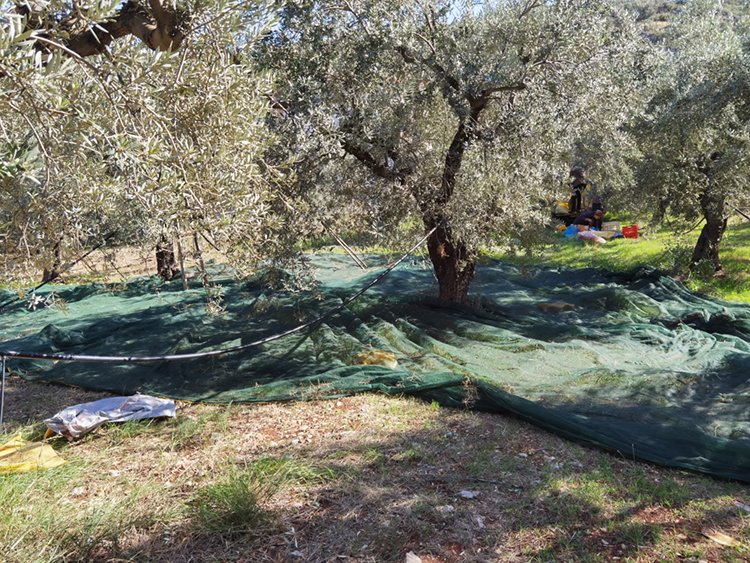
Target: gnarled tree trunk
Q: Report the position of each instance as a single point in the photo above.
(452, 259)
(166, 264)
(453, 263)
(709, 241)
(154, 24)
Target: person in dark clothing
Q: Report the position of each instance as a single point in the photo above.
(584, 193)
(590, 218)
(578, 186)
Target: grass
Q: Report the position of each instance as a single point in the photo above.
(234, 503)
(664, 250)
(365, 478)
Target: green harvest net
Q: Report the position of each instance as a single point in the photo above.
(635, 364)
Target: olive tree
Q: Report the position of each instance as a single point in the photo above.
(695, 135)
(459, 114)
(148, 143)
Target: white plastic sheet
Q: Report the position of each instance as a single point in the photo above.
(73, 422)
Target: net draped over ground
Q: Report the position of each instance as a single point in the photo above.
(633, 363)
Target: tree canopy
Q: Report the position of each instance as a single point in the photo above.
(695, 130)
(460, 115)
(144, 143)
(249, 123)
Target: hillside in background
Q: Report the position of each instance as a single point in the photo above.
(657, 15)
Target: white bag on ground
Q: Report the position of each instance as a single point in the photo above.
(73, 422)
(592, 236)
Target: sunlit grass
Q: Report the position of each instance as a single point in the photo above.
(667, 250)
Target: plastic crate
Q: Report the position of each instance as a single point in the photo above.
(611, 226)
(630, 231)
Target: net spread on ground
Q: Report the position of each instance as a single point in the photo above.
(633, 363)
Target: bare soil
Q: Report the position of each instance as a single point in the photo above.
(396, 476)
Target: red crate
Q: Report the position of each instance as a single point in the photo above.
(630, 232)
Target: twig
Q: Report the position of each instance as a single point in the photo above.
(740, 212)
(690, 230)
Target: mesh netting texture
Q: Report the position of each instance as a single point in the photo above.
(633, 363)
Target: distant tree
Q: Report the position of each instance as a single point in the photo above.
(695, 137)
(462, 115)
(657, 16)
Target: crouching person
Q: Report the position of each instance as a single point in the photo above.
(590, 218)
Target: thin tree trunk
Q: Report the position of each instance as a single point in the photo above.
(199, 259)
(709, 241)
(661, 211)
(53, 273)
(166, 265)
(181, 257)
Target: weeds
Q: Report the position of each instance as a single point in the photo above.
(290, 471)
(375, 483)
(193, 432)
(67, 528)
(234, 504)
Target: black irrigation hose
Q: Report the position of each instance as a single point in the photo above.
(214, 353)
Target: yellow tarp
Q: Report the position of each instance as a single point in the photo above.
(20, 456)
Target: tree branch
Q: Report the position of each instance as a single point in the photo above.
(452, 91)
(377, 168)
(409, 57)
(487, 92)
(530, 5)
(157, 28)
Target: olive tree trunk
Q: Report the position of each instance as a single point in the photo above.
(453, 264)
(52, 273)
(709, 241)
(659, 213)
(166, 263)
(453, 260)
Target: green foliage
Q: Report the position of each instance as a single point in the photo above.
(396, 110)
(371, 117)
(694, 135)
(676, 257)
(148, 144)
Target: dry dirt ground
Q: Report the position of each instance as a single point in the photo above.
(362, 479)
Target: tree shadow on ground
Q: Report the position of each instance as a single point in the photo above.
(467, 487)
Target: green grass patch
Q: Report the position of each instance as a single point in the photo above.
(290, 471)
(47, 516)
(234, 504)
(668, 250)
(192, 432)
